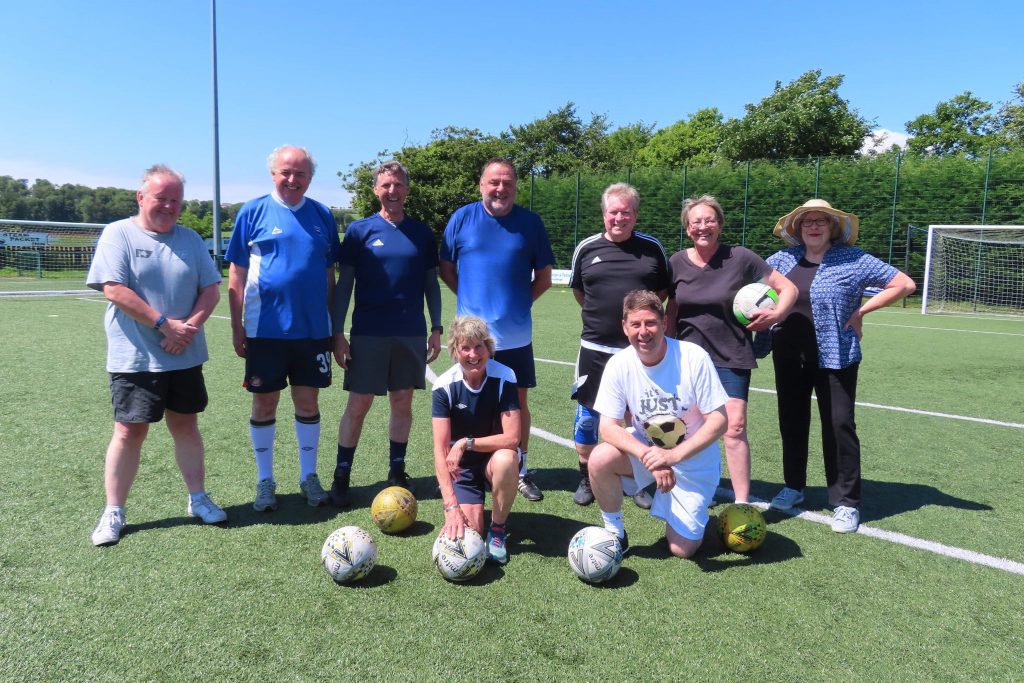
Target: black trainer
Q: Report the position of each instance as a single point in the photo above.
(529, 490)
(624, 542)
(584, 494)
(340, 495)
(400, 478)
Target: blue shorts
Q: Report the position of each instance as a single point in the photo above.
(472, 478)
(584, 427)
(520, 359)
(271, 364)
(735, 381)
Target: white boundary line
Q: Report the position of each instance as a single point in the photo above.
(947, 329)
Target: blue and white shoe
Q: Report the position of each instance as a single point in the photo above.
(496, 550)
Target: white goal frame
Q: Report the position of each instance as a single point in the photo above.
(987, 235)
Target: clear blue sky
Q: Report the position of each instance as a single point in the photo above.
(93, 92)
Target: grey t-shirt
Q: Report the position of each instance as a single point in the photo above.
(166, 270)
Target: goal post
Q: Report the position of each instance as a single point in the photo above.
(46, 248)
(974, 269)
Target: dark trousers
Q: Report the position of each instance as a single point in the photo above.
(796, 375)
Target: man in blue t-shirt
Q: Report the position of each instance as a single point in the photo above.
(281, 275)
(497, 259)
(391, 260)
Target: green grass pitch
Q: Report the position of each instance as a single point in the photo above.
(249, 601)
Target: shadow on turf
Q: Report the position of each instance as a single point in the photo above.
(879, 499)
(380, 575)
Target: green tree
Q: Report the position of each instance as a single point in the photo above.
(621, 148)
(559, 142)
(962, 125)
(1010, 119)
(694, 140)
(802, 119)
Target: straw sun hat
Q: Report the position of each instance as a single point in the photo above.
(788, 227)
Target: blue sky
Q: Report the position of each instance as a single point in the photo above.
(94, 92)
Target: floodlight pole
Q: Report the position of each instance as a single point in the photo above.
(216, 140)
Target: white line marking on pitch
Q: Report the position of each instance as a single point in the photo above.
(947, 329)
(929, 413)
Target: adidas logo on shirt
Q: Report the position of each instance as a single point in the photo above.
(376, 243)
(597, 259)
(462, 406)
(276, 231)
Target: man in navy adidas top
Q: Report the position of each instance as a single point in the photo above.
(282, 252)
(605, 267)
(391, 260)
(497, 259)
(476, 420)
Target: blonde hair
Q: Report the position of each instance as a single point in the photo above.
(706, 200)
(469, 328)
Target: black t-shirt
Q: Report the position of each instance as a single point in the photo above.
(605, 272)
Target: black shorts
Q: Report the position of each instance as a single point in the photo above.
(142, 397)
(382, 364)
(589, 370)
(472, 478)
(520, 359)
(273, 364)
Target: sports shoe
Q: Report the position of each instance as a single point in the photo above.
(312, 491)
(624, 543)
(643, 499)
(529, 490)
(787, 499)
(845, 520)
(340, 495)
(265, 498)
(400, 478)
(496, 550)
(108, 531)
(206, 510)
(584, 494)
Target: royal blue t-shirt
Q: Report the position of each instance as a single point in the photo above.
(496, 258)
(287, 251)
(390, 262)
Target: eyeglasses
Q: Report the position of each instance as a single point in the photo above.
(709, 222)
(808, 222)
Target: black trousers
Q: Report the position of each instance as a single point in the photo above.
(796, 375)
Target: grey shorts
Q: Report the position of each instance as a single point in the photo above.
(382, 364)
(142, 397)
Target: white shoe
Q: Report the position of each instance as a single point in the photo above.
(108, 531)
(845, 520)
(787, 499)
(206, 509)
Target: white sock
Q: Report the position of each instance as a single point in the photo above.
(115, 508)
(613, 523)
(263, 447)
(308, 435)
(522, 462)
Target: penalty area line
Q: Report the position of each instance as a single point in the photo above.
(890, 536)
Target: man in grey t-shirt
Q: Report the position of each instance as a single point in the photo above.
(161, 285)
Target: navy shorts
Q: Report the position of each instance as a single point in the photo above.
(472, 478)
(273, 364)
(142, 397)
(520, 359)
(735, 381)
(382, 364)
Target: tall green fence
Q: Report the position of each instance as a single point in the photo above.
(887, 192)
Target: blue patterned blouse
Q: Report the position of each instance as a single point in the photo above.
(836, 293)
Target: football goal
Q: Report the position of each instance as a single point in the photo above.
(46, 249)
(974, 269)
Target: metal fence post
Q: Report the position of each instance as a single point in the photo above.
(895, 195)
(682, 228)
(984, 195)
(576, 222)
(817, 175)
(533, 182)
(746, 204)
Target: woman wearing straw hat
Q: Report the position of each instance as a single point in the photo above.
(817, 347)
(705, 279)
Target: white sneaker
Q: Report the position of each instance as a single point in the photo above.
(108, 531)
(845, 520)
(205, 509)
(787, 499)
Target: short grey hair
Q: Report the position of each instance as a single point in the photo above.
(706, 200)
(273, 156)
(393, 167)
(623, 190)
(160, 169)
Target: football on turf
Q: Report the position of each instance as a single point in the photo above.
(394, 509)
(460, 559)
(595, 554)
(665, 431)
(349, 554)
(741, 527)
(753, 297)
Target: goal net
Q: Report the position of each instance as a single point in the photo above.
(44, 249)
(974, 269)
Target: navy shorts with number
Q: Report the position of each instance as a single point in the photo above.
(142, 397)
(472, 478)
(273, 364)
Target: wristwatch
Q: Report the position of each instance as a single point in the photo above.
(452, 507)
(469, 443)
(159, 321)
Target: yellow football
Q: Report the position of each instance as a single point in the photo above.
(741, 527)
(394, 509)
